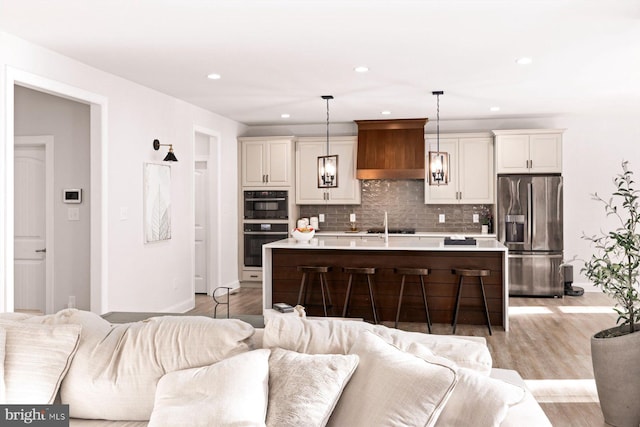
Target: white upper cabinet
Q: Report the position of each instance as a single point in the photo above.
(308, 149)
(529, 151)
(267, 162)
(471, 176)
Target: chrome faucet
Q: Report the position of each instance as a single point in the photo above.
(386, 228)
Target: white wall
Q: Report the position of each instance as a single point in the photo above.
(593, 150)
(152, 277)
(38, 113)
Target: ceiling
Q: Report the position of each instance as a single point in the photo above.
(278, 57)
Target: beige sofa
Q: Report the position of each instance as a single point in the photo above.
(197, 371)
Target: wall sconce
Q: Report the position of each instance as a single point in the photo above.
(170, 157)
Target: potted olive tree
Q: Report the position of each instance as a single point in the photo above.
(615, 268)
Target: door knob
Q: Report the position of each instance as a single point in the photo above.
(41, 250)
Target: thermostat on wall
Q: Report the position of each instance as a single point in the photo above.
(72, 195)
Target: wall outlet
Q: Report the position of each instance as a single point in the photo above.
(441, 218)
(320, 217)
(476, 218)
(73, 214)
(72, 302)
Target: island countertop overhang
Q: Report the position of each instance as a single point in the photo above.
(377, 243)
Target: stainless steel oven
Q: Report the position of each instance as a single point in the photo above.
(258, 234)
(266, 205)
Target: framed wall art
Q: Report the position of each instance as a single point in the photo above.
(157, 202)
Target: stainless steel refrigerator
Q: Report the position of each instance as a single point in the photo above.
(529, 219)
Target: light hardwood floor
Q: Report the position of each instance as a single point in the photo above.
(548, 344)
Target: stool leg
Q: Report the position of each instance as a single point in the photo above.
(486, 309)
(326, 287)
(426, 306)
(324, 302)
(304, 276)
(455, 313)
(346, 298)
(400, 300)
(373, 302)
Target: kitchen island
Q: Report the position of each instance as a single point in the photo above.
(281, 280)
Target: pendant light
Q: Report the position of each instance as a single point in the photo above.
(327, 165)
(438, 160)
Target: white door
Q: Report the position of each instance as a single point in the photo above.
(30, 228)
(201, 229)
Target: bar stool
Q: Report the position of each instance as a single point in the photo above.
(369, 272)
(470, 272)
(324, 287)
(420, 272)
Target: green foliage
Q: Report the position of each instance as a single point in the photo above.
(615, 264)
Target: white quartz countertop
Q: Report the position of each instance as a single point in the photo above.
(420, 234)
(377, 243)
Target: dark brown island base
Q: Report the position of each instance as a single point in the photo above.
(281, 278)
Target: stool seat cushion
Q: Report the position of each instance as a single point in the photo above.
(359, 270)
(412, 271)
(475, 272)
(314, 268)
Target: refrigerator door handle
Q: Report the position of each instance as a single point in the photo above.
(530, 213)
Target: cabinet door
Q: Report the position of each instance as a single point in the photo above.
(307, 191)
(475, 170)
(443, 193)
(253, 163)
(545, 151)
(278, 163)
(348, 191)
(512, 153)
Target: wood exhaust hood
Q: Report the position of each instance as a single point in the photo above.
(391, 149)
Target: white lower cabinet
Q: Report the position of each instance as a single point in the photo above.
(471, 176)
(308, 149)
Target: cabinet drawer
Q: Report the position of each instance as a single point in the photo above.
(252, 276)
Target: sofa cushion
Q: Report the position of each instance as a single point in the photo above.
(316, 336)
(232, 392)
(392, 388)
(119, 365)
(304, 388)
(464, 408)
(36, 359)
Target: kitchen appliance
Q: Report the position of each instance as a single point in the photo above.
(530, 223)
(379, 230)
(258, 234)
(266, 205)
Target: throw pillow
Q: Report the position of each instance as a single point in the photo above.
(304, 388)
(119, 366)
(232, 392)
(476, 399)
(326, 336)
(392, 388)
(36, 359)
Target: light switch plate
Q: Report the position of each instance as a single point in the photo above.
(73, 214)
(476, 218)
(320, 217)
(441, 218)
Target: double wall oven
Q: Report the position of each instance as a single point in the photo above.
(266, 219)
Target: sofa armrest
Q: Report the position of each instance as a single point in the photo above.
(527, 413)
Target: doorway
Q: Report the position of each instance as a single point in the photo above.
(33, 224)
(201, 187)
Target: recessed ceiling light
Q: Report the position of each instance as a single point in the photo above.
(285, 115)
(361, 69)
(214, 76)
(494, 109)
(525, 60)
(385, 112)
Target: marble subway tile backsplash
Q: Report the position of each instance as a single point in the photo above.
(403, 200)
